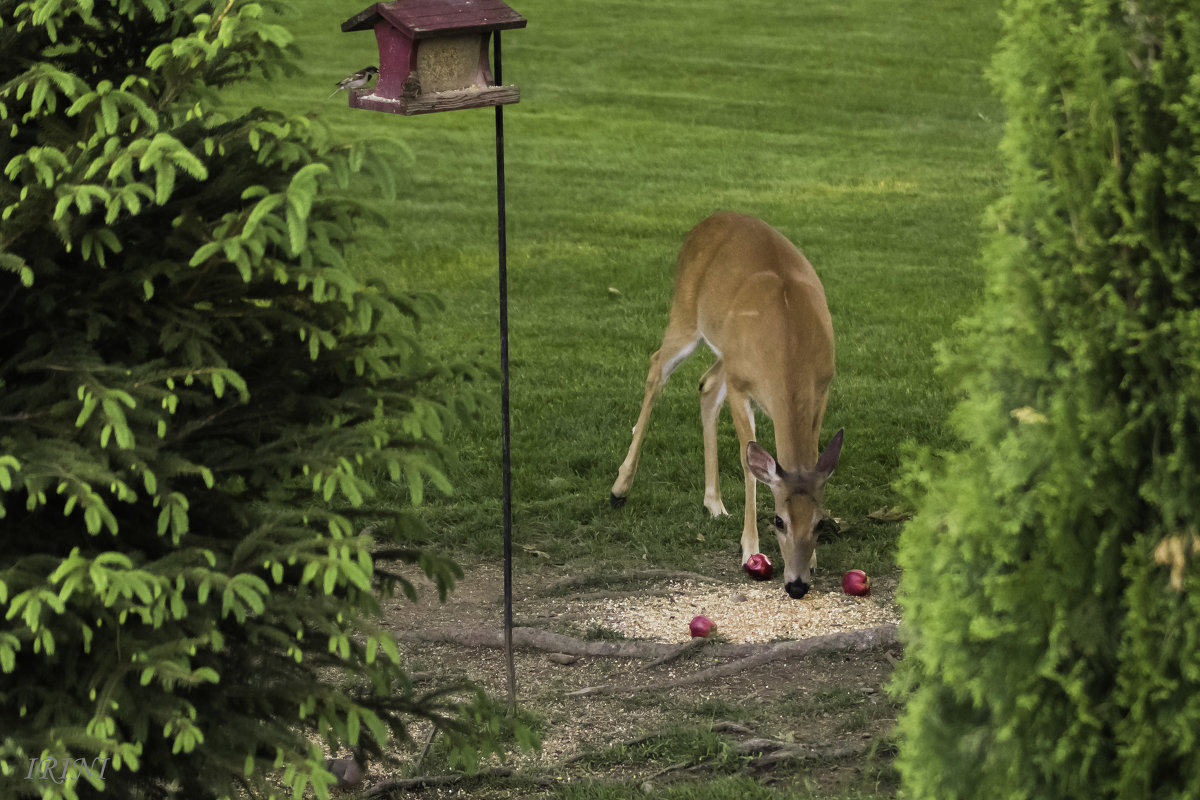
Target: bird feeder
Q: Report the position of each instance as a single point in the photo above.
(433, 55)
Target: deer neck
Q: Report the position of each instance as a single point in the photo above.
(795, 443)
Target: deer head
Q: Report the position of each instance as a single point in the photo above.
(797, 496)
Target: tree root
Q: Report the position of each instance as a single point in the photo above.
(865, 639)
(539, 639)
(771, 752)
(748, 655)
(679, 652)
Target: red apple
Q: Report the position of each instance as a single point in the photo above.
(700, 626)
(758, 566)
(857, 583)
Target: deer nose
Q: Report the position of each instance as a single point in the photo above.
(796, 589)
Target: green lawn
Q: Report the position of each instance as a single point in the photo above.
(863, 129)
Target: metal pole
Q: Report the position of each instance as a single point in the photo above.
(505, 428)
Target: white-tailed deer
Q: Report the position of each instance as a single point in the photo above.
(746, 290)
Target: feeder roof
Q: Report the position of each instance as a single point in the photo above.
(420, 19)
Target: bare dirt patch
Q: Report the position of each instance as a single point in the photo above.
(822, 718)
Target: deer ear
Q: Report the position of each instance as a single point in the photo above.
(762, 464)
(829, 458)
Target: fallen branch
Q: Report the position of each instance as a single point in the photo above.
(865, 639)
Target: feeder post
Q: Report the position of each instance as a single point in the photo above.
(505, 424)
(433, 57)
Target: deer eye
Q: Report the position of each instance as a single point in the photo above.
(779, 522)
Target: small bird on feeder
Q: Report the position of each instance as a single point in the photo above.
(348, 771)
(411, 87)
(355, 81)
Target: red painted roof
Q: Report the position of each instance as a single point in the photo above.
(419, 19)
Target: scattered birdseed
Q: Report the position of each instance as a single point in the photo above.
(740, 614)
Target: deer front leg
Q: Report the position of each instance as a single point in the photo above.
(712, 394)
(675, 348)
(743, 423)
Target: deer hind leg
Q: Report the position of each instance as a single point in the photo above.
(743, 423)
(712, 395)
(677, 345)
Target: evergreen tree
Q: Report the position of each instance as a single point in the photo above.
(1051, 589)
(196, 401)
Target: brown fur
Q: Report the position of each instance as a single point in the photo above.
(752, 296)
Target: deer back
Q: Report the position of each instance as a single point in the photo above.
(760, 306)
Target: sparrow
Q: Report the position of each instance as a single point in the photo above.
(411, 87)
(355, 81)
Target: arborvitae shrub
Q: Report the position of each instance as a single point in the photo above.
(1051, 589)
(197, 399)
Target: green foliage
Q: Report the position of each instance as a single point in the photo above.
(198, 402)
(1051, 589)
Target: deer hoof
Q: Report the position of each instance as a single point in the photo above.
(615, 501)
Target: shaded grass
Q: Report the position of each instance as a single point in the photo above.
(718, 788)
(682, 745)
(863, 129)
(697, 751)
